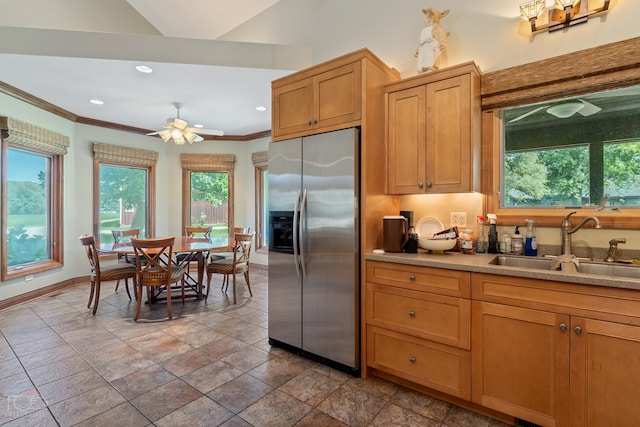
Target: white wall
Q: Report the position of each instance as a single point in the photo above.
(78, 185)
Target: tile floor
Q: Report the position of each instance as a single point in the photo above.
(212, 365)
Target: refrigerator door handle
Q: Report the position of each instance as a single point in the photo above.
(303, 211)
(296, 250)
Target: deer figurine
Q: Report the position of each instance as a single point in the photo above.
(433, 41)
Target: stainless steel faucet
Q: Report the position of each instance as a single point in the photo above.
(613, 246)
(567, 230)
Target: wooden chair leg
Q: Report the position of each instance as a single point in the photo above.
(182, 286)
(139, 301)
(93, 289)
(117, 284)
(208, 285)
(234, 289)
(126, 286)
(95, 303)
(246, 278)
(169, 301)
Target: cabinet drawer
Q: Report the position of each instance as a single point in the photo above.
(438, 318)
(435, 280)
(433, 365)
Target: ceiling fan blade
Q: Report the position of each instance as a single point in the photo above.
(213, 132)
(153, 133)
(528, 113)
(588, 108)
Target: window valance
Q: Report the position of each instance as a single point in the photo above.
(118, 154)
(26, 135)
(207, 162)
(260, 159)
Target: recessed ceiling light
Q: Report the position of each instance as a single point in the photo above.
(96, 101)
(144, 69)
(198, 126)
(261, 108)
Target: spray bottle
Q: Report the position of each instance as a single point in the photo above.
(530, 245)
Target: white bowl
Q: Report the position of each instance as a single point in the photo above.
(436, 244)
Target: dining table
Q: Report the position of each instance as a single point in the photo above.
(191, 247)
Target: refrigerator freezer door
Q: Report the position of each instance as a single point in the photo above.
(329, 234)
(285, 292)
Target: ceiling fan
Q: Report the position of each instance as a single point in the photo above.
(179, 130)
(563, 109)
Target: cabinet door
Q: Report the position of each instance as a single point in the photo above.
(406, 141)
(338, 96)
(520, 362)
(605, 373)
(292, 108)
(449, 153)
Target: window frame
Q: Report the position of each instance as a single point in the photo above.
(592, 70)
(115, 155)
(214, 163)
(56, 214)
(151, 185)
(261, 164)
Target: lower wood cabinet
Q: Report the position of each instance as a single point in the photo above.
(418, 325)
(550, 353)
(548, 363)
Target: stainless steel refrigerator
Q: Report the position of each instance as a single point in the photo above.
(314, 296)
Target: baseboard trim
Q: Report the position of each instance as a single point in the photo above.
(37, 293)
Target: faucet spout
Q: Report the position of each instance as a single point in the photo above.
(567, 230)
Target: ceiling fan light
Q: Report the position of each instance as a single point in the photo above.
(165, 135)
(178, 139)
(190, 137)
(563, 110)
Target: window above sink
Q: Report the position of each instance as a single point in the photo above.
(585, 157)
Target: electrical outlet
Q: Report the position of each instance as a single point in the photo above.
(28, 278)
(458, 219)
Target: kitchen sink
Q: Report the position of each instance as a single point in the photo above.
(522, 262)
(629, 271)
(610, 269)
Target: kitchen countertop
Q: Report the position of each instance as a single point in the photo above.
(480, 263)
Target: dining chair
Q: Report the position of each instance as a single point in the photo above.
(155, 268)
(186, 258)
(105, 273)
(238, 263)
(229, 252)
(122, 236)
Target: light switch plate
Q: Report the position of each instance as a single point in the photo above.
(458, 219)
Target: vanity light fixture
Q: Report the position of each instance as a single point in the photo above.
(565, 14)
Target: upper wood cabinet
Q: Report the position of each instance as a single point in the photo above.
(320, 99)
(433, 132)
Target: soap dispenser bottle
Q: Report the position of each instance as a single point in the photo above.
(517, 245)
(493, 235)
(530, 244)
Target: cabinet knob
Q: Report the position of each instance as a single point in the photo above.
(412, 359)
(420, 185)
(428, 184)
(577, 330)
(412, 277)
(412, 313)
(315, 121)
(309, 122)
(563, 327)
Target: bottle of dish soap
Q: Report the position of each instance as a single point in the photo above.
(530, 245)
(493, 235)
(516, 242)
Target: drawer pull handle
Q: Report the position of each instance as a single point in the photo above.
(563, 327)
(412, 359)
(412, 313)
(577, 330)
(412, 277)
